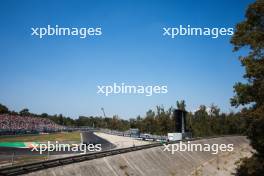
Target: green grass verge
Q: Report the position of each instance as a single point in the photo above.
(71, 136)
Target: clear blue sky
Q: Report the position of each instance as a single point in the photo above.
(60, 74)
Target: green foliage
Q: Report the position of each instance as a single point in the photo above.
(203, 123)
(159, 121)
(3, 109)
(249, 35)
(181, 105)
(253, 166)
(24, 112)
(200, 123)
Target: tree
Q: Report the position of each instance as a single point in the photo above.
(24, 112)
(149, 122)
(201, 113)
(44, 115)
(61, 121)
(249, 35)
(214, 110)
(181, 105)
(3, 109)
(115, 124)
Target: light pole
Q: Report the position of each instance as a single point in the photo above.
(103, 112)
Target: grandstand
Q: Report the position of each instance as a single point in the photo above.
(15, 124)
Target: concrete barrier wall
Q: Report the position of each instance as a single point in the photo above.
(154, 161)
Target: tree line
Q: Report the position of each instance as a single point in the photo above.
(206, 121)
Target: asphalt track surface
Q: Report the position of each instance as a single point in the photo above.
(88, 138)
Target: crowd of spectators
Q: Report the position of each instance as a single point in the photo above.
(13, 123)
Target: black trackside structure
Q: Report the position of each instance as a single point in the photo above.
(179, 117)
